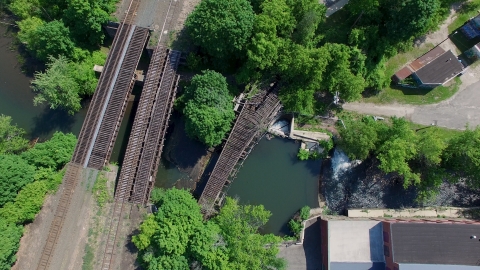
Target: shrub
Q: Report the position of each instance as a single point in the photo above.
(305, 212)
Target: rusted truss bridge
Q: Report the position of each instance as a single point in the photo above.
(100, 128)
(251, 124)
(145, 145)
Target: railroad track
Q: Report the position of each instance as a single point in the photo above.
(248, 126)
(101, 92)
(69, 182)
(86, 138)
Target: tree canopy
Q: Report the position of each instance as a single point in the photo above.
(463, 155)
(208, 108)
(176, 237)
(54, 153)
(12, 139)
(221, 27)
(15, 173)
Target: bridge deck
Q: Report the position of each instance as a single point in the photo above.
(151, 121)
(103, 116)
(106, 109)
(252, 120)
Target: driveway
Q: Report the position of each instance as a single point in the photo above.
(455, 113)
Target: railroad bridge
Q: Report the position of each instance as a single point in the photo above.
(106, 111)
(256, 114)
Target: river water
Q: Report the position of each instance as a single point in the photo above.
(273, 176)
(16, 98)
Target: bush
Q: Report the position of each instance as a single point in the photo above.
(296, 227)
(303, 154)
(305, 212)
(54, 153)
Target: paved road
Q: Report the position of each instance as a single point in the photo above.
(455, 113)
(336, 7)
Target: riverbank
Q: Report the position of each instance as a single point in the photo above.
(349, 185)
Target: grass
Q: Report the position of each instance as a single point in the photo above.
(468, 10)
(444, 133)
(415, 96)
(88, 258)
(100, 191)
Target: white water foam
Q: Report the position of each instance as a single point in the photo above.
(341, 163)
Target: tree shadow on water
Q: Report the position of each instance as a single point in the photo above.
(51, 120)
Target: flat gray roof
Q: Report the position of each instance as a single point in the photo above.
(355, 241)
(412, 266)
(436, 243)
(357, 266)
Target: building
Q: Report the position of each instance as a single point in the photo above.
(432, 69)
(394, 244)
(352, 245)
(471, 29)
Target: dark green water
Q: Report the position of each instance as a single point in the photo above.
(16, 99)
(273, 176)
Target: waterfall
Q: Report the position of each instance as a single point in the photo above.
(341, 163)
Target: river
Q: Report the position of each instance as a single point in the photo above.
(273, 176)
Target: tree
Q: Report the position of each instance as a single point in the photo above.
(15, 173)
(57, 86)
(411, 18)
(28, 30)
(208, 108)
(25, 8)
(27, 203)
(398, 147)
(345, 71)
(359, 138)
(85, 19)
(176, 237)
(239, 226)
(51, 39)
(463, 156)
(12, 139)
(221, 27)
(10, 235)
(54, 153)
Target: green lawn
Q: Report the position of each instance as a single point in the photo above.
(444, 133)
(410, 95)
(468, 11)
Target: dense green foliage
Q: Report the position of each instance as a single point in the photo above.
(65, 82)
(208, 108)
(463, 155)
(296, 224)
(11, 137)
(221, 27)
(66, 34)
(10, 235)
(15, 173)
(422, 158)
(177, 237)
(25, 178)
(293, 41)
(56, 86)
(54, 153)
